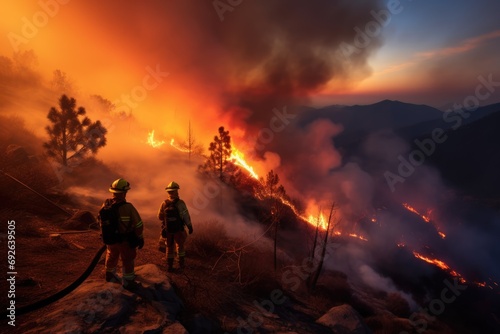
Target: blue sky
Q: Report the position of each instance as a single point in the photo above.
(433, 53)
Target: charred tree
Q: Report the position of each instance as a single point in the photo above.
(316, 235)
(274, 193)
(191, 144)
(313, 279)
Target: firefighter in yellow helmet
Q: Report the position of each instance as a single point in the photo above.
(130, 236)
(174, 215)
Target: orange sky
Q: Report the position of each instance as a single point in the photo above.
(111, 50)
(106, 50)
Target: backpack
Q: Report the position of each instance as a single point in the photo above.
(110, 221)
(173, 220)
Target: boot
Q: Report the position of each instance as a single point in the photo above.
(181, 262)
(161, 245)
(111, 277)
(170, 265)
(130, 285)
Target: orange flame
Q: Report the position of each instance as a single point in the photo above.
(435, 262)
(317, 221)
(411, 209)
(152, 141)
(452, 272)
(238, 158)
(354, 235)
(178, 147)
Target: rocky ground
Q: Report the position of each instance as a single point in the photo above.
(208, 296)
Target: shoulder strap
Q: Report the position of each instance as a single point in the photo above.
(117, 205)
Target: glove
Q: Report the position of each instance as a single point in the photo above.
(190, 228)
(140, 243)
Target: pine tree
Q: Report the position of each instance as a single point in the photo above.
(72, 135)
(218, 162)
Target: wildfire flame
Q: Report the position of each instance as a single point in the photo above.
(152, 141)
(354, 235)
(238, 158)
(178, 147)
(424, 217)
(435, 262)
(319, 221)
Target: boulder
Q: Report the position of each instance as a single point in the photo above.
(16, 155)
(97, 306)
(344, 319)
(81, 220)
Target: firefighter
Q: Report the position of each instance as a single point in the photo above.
(131, 232)
(174, 215)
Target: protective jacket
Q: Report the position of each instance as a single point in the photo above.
(166, 214)
(130, 220)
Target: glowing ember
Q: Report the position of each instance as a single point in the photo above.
(238, 158)
(178, 147)
(442, 235)
(411, 209)
(152, 141)
(354, 235)
(435, 262)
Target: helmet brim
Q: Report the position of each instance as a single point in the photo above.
(117, 191)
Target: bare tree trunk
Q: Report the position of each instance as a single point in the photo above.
(190, 140)
(275, 243)
(315, 276)
(316, 236)
(64, 150)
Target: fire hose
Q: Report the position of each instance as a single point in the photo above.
(58, 295)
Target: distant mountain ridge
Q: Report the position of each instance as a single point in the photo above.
(358, 120)
(468, 158)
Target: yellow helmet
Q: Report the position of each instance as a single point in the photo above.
(172, 186)
(119, 186)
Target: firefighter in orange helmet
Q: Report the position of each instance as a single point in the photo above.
(130, 228)
(174, 215)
